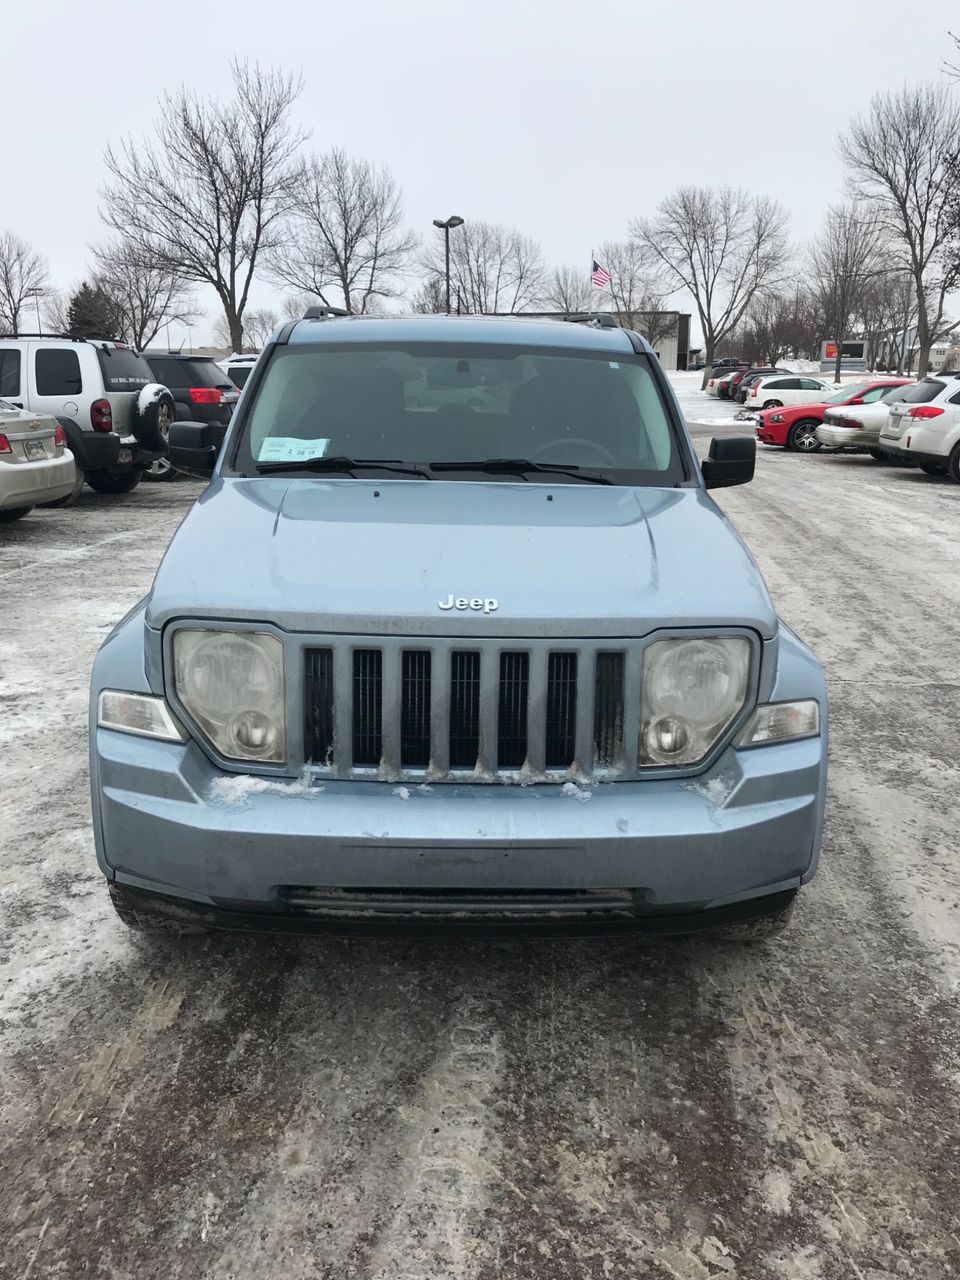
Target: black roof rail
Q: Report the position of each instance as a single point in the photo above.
(325, 313)
(599, 319)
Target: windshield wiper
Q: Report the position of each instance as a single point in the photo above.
(517, 466)
(340, 463)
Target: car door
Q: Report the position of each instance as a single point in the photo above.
(812, 391)
(56, 380)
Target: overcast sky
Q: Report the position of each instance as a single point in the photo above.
(560, 117)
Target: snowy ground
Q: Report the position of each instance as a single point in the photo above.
(325, 1110)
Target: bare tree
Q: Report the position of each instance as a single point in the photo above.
(842, 260)
(56, 309)
(492, 268)
(723, 246)
(148, 294)
(294, 305)
(23, 280)
(346, 231)
(206, 198)
(638, 291)
(430, 299)
(899, 159)
(258, 324)
(886, 311)
(569, 290)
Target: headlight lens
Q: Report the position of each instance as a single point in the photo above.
(232, 685)
(693, 690)
(776, 417)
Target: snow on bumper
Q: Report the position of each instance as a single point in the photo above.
(168, 821)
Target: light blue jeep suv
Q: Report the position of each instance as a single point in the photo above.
(456, 638)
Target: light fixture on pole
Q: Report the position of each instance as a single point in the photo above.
(446, 226)
(36, 294)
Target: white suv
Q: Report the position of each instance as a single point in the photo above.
(778, 390)
(102, 393)
(923, 426)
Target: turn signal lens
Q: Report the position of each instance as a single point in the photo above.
(137, 713)
(781, 722)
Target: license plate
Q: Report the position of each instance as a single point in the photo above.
(126, 455)
(34, 449)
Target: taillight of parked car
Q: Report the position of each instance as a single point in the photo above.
(206, 395)
(60, 437)
(4, 444)
(925, 411)
(101, 415)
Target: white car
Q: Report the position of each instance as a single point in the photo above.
(238, 368)
(923, 426)
(35, 465)
(777, 390)
(857, 425)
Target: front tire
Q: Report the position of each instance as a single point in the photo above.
(14, 513)
(802, 437)
(107, 482)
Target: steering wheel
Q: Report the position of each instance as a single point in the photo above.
(576, 441)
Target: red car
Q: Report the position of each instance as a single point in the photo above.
(795, 427)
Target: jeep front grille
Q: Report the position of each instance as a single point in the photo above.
(442, 709)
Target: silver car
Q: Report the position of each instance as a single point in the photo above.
(35, 465)
(459, 665)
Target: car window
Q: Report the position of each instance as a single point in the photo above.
(448, 402)
(202, 373)
(955, 398)
(9, 372)
(921, 392)
(239, 373)
(810, 384)
(123, 369)
(873, 394)
(58, 372)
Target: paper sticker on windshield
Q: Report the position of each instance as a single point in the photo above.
(291, 449)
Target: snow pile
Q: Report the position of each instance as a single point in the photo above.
(402, 793)
(239, 788)
(149, 395)
(579, 793)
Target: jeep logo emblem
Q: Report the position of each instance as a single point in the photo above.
(477, 604)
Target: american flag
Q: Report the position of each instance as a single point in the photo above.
(601, 276)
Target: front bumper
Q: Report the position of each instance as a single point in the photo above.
(776, 434)
(25, 484)
(848, 437)
(747, 829)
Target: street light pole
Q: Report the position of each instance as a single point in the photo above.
(446, 226)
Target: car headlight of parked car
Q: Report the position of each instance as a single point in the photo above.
(776, 417)
(693, 690)
(231, 684)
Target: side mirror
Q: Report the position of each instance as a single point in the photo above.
(856, 400)
(195, 446)
(731, 461)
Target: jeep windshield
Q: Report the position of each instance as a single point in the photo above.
(571, 415)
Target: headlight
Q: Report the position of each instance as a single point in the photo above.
(776, 417)
(693, 690)
(231, 683)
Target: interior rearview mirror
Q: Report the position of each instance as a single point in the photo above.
(731, 460)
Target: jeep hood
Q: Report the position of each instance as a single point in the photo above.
(378, 557)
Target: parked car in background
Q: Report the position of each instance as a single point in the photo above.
(36, 467)
(733, 387)
(201, 392)
(103, 395)
(796, 427)
(775, 392)
(730, 362)
(923, 426)
(722, 386)
(237, 368)
(856, 423)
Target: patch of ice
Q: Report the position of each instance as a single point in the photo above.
(402, 793)
(717, 790)
(579, 793)
(424, 786)
(239, 788)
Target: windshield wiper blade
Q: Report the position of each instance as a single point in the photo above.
(517, 466)
(341, 463)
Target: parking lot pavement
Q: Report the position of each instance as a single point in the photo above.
(333, 1109)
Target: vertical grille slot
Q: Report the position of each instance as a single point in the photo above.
(512, 710)
(464, 709)
(415, 709)
(608, 711)
(561, 710)
(318, 706)
(367, 706)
